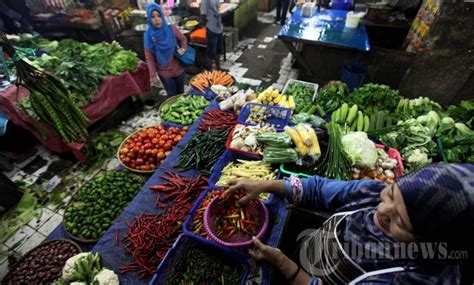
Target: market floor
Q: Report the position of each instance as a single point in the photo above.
(259, 59)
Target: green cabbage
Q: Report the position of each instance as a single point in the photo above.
(360, 149)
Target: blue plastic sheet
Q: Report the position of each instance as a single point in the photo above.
(113, 255)
(326, 27)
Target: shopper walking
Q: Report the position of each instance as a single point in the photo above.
(161, 43)
(281, 11)
(214, 29)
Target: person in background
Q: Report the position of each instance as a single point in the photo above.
(14, 17)
(214, 29)
(161, 40)
(429, 208)
(282, 11)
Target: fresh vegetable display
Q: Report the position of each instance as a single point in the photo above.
(145, 149)
(383, 170)
(149, 236)
(235, 223)
(302, 94)
(50, 100)
(85, 268)
(206, 79)
(43, 264)
(197, 266)
(336, 162)
(374, 97)
(197, 226)
(98, 203)
(249, 169)
(457, 141)
(237, 101)
(185, 110)
(463, 113)
(203, 150)
(409, 108)
(332, 96)
(81, 67)
(224, 92)
(264, 115)
(245, 138)
(273, 97)
(217, 119)
(313, 120)
(305, 139)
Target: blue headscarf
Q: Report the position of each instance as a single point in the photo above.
(160, 41)
(439, 199)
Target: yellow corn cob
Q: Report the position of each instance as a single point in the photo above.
(314, 150)
(292, 104)
(303, 132)
(300, 146)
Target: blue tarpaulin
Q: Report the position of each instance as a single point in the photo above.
(114, 256)
(326, 27)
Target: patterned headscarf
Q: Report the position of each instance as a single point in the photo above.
(439, 200)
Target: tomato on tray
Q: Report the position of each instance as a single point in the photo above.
(144, 150)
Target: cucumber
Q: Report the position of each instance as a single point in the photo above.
(372, 121)
(380, 120)
(352, 114)
(360, 121)
(354, 125)
(344, 111)
(366, 123)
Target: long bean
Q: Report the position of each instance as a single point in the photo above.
(50, 100)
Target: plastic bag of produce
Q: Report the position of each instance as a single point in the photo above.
(274, 139)
(279, 155)
(360, 149)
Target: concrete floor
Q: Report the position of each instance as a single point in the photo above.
(260, 59)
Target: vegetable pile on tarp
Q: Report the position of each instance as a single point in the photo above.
(96, 206)
(302, 94)
(150, 236)
(332, 96)
(203, 150)
(373, 97)
(185, 110)
(217, 119)
(81, 67)
(49, 98)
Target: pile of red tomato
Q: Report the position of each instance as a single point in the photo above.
(145, 149)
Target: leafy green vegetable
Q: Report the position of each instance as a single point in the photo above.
(303, 94)
(463, 113)
(411, 108)
(103, 146)
(333, 95)
(373, 97)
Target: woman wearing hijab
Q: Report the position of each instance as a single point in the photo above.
(405, 231)
(161, 40)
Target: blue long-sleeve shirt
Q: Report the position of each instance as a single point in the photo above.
(359, 229)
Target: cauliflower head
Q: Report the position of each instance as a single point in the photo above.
(106, 277)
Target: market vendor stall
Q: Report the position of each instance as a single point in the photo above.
(325, 28)
(96, 79)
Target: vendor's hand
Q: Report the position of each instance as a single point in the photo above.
(262, 252)
(252, 189)
(181, 51)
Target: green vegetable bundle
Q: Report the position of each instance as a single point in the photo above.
(197, 266)
(336, 162)
(49, 99)
(303, 94)
(412, 108)
(279, 155)
(373, 97)
(95, 207)
(332, 96)
(203, 150)
(457, 141)
(275, 139)
(185, 110)
(463, 113)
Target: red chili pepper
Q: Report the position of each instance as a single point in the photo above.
(117, 237)
(217, 119)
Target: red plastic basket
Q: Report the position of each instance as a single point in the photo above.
(237, 240)
(229, 141)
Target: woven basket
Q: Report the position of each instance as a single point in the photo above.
(26, 255)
